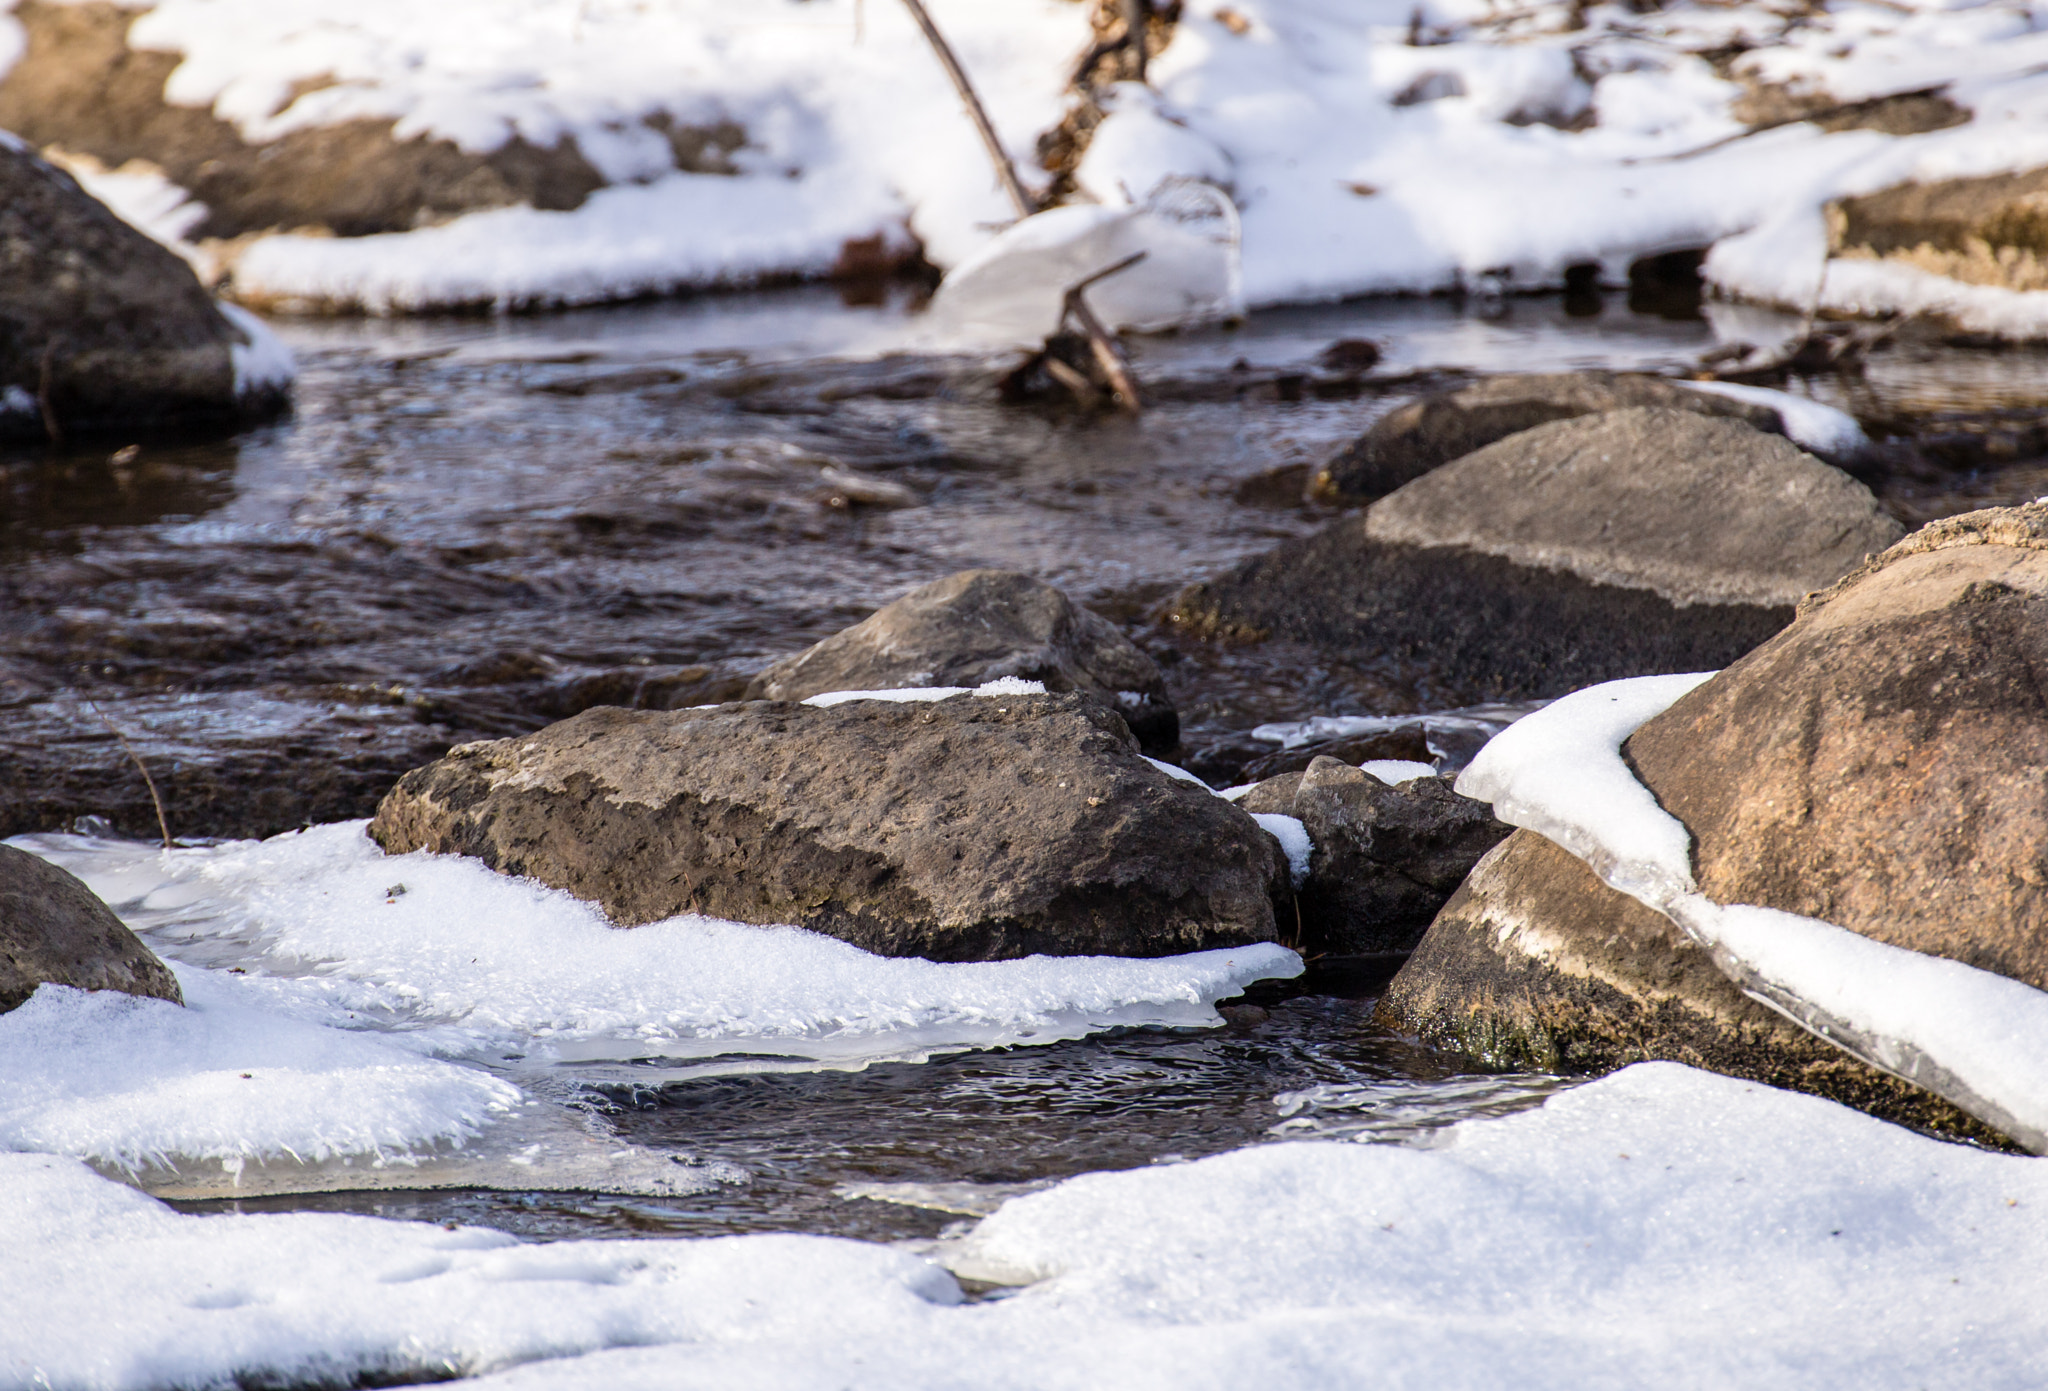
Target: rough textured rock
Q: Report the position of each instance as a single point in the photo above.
(959, 830)
(54, 930)
(1983, 231)
(1877, 765)
(1385, 857)
(101, 327)
(977, 626)
(1427, 433)
(1694, 509)
(1625, 544)
(1534, 963)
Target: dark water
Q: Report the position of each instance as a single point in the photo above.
(472, 527)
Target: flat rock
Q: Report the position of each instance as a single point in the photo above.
(1981, 231)
(1694, 509)
(54, 930)
(1877, 765)
(1386, 857)
(979, 626)
(963, 829)
(1429, 432)
(101, 327)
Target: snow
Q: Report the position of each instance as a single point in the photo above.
(1367, 147)
(1812, 425)
(261, 360)
(1293, 838)
(1661, 1226)
(1001, 686)
(1176, 772)
(1975, 1037)
(393, 1009)
(1396, 771)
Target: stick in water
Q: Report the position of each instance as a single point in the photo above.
(162, 824)
(1006, 172)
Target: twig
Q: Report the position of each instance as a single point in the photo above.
(162, 824)
(1006, 172)
(1122, 384)
(43, 402)
(1135, 13)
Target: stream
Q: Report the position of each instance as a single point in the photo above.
(470, 527)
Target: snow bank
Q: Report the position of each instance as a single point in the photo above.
(1974, 1037)
(1658, 1227)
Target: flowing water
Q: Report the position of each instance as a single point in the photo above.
(470, 527)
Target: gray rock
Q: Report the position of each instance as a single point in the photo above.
(959, 830)
(1385, 859)
(101, 327)
(54, 930)
(1693, 509)
(975, 627)
(1424, 434)
(1535, 964)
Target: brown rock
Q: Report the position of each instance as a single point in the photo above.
(1982, 231)
(975, 627)
(100, 327)
(959, 830)
(1535, 964)
(1427, 433)
(54, 930)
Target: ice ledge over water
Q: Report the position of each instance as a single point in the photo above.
(1974, 1037)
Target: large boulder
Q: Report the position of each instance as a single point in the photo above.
(1429, 432)
(1636, 542)
(55, 931)
(980, 626)
(102, 328)
(1386, 856)
(964, 829)
(1876, 765)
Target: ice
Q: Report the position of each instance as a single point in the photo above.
(1293, 838)
(1808, 423)
(1975, 1037)
(1001, 686)
(1659, 1227)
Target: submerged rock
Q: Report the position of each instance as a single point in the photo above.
(1425, 434)
(101, 327)
(1386, 857)
(1636, 542)
(1877, 765)
(979, 626)
(55, 931)
(966, 829)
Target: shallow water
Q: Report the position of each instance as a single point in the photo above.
(470, 527)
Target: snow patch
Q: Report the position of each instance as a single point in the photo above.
(1293, 838)
(1810, 424)
(1396, 771)
(1001, 686)
(263, 364)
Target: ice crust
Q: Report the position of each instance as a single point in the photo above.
(1975, 1037)
(1659, 1227)
(1368, 147)
(390, 1008)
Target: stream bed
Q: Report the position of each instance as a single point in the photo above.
(471, 527)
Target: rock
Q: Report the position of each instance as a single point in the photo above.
(959, 830)
(1430, 432)
(1535, 964)
(54, 930)
(1408, 744)
(1385, 859)
(102, 328)
(1982, 231)
(1697, 510)
(1876, 765)
(1626, 544)
(975, 627)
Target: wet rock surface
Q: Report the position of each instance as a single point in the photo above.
(1877, 766)
(100, 327)
(1427, 433)
(1534, 963)
(965, 829)
(980, 626)
(1386, 857)
(53, 930)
